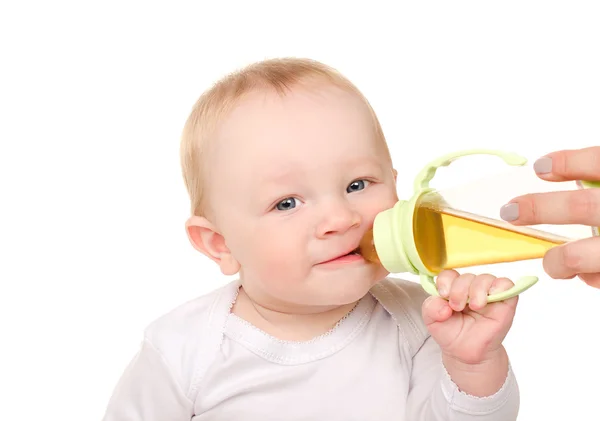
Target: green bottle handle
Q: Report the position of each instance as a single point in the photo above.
(522, 284)
(422, 183)
(428, 172)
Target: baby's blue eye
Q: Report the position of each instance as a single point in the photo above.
(286, 204)
(356, 186)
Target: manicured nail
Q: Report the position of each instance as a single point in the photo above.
(510, 212)
(543, 165)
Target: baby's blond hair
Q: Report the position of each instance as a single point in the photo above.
(281, 75)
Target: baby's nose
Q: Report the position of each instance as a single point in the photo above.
(337, 220)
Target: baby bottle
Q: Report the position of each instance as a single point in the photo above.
(460, 227)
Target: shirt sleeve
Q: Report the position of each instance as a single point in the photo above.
(148, 391)
(433, 396)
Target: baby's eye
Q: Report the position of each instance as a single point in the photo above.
(357, 185)
(286, 204)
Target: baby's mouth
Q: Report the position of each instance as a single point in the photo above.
(355, 251)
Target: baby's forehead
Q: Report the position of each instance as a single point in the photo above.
(297, 101)
(286, 162)
(270, 136)
(310, 116)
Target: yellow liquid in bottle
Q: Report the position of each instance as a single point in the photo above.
(449, 239)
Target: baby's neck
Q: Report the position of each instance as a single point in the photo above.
(289, 326)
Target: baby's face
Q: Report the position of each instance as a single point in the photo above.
(296, 181)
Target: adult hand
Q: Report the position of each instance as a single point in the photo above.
(578, 258)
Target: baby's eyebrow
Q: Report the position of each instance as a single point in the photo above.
(281, 175)
(366, 165)
(291, 172)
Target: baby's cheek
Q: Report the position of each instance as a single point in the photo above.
(279, 259)
(271, 252)
(371, 210)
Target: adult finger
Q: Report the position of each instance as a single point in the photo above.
(573, 258)
(570, 164)
(592, 279)
(564, 207)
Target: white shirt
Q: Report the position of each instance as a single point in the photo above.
(202, 362)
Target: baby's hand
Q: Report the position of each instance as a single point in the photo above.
(470, 333)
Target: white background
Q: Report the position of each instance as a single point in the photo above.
(93, 96)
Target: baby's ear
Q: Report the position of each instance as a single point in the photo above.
(206, 239)
(395, 172)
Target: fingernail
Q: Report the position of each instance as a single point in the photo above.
(510, 212)
(543, 165)
(443, 292)
(457, 305)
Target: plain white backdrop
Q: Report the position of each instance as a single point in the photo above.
(93, 96)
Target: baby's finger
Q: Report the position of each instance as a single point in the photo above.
(445, 280)
(500, 284)
(435, 309)
(503, 284)
(459, 291)
(478, 291)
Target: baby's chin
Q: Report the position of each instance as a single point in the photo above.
(354, 291)
(347, 288)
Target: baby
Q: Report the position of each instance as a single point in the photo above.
(287, 166)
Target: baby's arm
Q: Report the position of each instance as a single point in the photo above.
(148, 391)
(464, 359)
(481, 379)
(434, 396)
(470, 331)
(460, 369)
